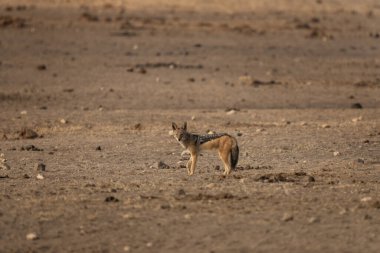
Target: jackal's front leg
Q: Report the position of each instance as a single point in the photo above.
(189, 164)
(193, 161)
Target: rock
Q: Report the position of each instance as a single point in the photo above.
(312, 220)
(31, 148)
(27, 133)
(2, 158)
(325, 126)
(40, 177)
(126, 248)
(187, 216)
(111, 199)
(303, 123)
(210, 186)
(4, 166)
(231, 112)
(63, 121)
(40, 167)
(149, 244)
(245, 80)
(360, 160)
(31, 236)
(41, 67)
(161, 165)
(336, 153)
(98, 148)
(24, 112)
(357, 119)
(137, 126)
(356, 106)
(90, 17)
(165, 206)
(142, 71)
(181, 192)
(239, 134)
(287, 217)
(366, 199)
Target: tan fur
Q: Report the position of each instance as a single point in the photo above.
(224, 144)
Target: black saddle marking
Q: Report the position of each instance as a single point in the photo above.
(209, 137)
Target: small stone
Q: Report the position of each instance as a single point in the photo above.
(336, 153)
(245, 80)
(357, 106)
(366, 199)
(231, 112)
(31, 148)
(165, 206)
(360, 160)
(24, 112)
(4, 166)
(312, 220)
(325, 126)
(111, 199)
(137, 126)
(40, 167)
(187, 216)
(343, 211)
(193, 117)
(287, 217)
(142, 71)
(98, 148)
(39, 177)
(27, 133)
(357, 119)
(26, 176)
(210, 186)
(31, 236)
(239, 134)
(149, 244)
(181, 192)
(126, 248)
(303, 123)
(161, 165)
(41, 67)
(63, 121)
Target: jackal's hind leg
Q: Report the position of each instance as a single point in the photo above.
(224, 157)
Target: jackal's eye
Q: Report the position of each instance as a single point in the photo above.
(180, 136)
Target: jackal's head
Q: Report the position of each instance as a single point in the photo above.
(180, 133)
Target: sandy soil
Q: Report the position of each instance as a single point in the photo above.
(88, 91)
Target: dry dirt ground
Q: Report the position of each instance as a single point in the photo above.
(99, 83)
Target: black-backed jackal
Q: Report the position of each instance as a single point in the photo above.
(225, 144)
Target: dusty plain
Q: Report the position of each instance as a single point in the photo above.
(99, 82)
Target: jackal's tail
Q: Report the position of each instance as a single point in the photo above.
(234, 155)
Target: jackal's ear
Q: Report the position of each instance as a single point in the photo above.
(185, 125)
(174, 126)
